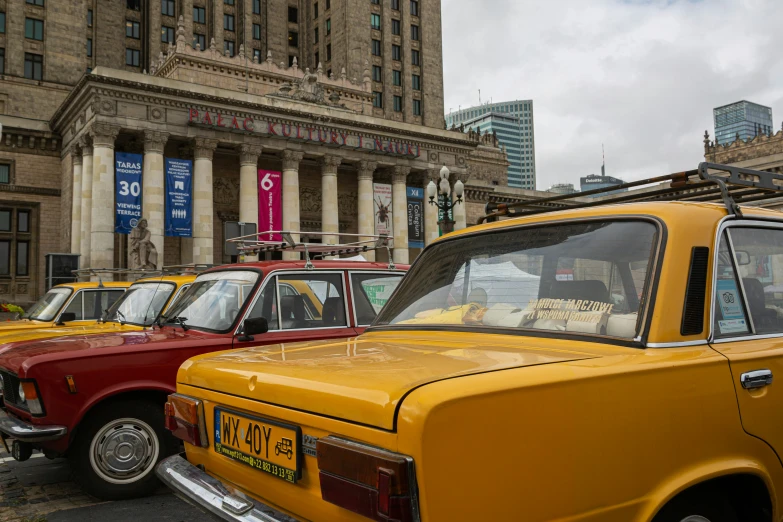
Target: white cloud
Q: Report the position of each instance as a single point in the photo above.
(642, 77)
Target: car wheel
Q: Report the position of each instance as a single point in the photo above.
(709, 508)
(117, 449)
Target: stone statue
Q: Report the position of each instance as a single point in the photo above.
(143, 254)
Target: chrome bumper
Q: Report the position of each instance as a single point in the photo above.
(208, 493)
(26, 432)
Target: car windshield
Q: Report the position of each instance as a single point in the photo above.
(141, 304)
(582, 278)
(47, 307)
(214, 300)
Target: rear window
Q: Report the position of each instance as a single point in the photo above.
(584, 278)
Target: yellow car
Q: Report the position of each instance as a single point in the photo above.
(136, 308)
(71, 304)
(608, 363)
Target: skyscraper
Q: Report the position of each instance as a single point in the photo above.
(513, 123)
(742, 118)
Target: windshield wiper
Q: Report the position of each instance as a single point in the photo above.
(180, 321)
(120, 317)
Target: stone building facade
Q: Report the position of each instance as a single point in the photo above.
(763, 152)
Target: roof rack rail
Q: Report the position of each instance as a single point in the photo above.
(98, 272)
(250, 244)
(710, 182)
(186, 269)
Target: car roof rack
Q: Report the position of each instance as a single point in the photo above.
(710, 182)
(250, 244)
(102, 272)
(186, 269)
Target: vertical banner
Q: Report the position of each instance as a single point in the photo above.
(127, 199)
(179, 198)
(382, 205)
(415, 217)
(270, 204)
(442, 201)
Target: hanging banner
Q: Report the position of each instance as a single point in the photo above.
(415, 217)
(127, 198)
(270, 204)
(442, 201)
(382, 205)
(179, 198)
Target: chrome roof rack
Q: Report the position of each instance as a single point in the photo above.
(186, 269)
(250, 244)
(710, 182)
(99, 273)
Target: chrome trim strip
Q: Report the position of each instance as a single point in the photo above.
(746, 338)
(213, 496)
(738, 276)
(26, 432)
(677, 344)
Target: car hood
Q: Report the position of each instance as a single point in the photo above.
(7, 339)
(22, 324)
(363, 379)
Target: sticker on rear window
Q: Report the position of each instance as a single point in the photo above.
(733, 326)
(730, 302)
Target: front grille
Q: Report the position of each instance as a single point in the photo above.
(10, 388)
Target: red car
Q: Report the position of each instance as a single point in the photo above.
(99, 399)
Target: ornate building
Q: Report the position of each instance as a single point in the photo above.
(763, 152)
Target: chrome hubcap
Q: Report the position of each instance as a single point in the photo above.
(695, 518)
(124, 451)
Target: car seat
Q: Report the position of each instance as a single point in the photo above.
(292, 311)
(763, 318)
(333, 313)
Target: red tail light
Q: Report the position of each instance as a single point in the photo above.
(184, 418)
(372, 482)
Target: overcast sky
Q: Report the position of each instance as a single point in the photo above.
(642, 77)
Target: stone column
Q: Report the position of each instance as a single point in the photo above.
(291, 161)
(248, 186)
(76, 206)
(202, 201)
(102, 226)
(86, 232)
(365, 204)
(400, 213)
(431, 231)
(153, 193)
(330, 222)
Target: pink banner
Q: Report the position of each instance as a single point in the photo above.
(270, 204)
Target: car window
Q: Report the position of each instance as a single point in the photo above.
(46, 308)
(76, 306)
(266, 305)
(371, 291)
(141, 304)
(89, 305)
(587, 278)
(311, 300)
(749, 281)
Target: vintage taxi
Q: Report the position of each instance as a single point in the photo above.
(98, 399)
(70, 304)
(608, 363)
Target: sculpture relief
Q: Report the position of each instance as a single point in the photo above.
(142, 252)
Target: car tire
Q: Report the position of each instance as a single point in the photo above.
(704, 508)
(117, 447)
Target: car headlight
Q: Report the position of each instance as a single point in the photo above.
(28, 393)
(21, 393)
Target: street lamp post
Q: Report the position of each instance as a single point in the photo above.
(444, 188)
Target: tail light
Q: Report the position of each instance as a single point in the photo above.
(184, 418)
(373, 482)
(28, 393)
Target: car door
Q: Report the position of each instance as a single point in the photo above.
(748, 323)
(369, 293)
(301, 306)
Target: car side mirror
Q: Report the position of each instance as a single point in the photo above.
(66, 317)
(254, 326)
(743, 257)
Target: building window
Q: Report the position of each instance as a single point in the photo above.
(33, 66)
(416, 82)
(228, 22)
(415, 33)
(22, 258)
(199, 40)
(257, 7)
(415, 57)
(395, 4)
(328, 26)
(5, 220)
(228, 2)
(328, 4)
(256, 31)
(39, 3)
(376, 47)
(23, 221)
(398, 104)
(89, 46)
(132, 57)
(167, 7)
(376, 1)
(2, 65)
(257, 55)
(375, 21)
(315, 10)
(377, 74)
(316, 35)
(5, 173)
(377, 99)
(167, 34)
(5, 257)
(33, 29)
(397, 78)
(293, 14)
(328, 52)
(228, 47)
(293, 39)
(317, 60)
(329, 73)
(133, 5)
(414, 8)
(396, 53)
(89, 18)
(199, 15)
(291, 58)
(396, 27)
(132, 29)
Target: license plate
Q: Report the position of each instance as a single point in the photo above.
(263, 444)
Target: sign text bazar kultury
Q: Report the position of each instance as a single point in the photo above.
(333, 138)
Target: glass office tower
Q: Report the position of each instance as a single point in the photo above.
(744, 118)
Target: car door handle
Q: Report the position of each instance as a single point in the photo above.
(756, 379)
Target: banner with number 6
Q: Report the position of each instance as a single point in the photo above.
(270, 204)
(127, 200)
